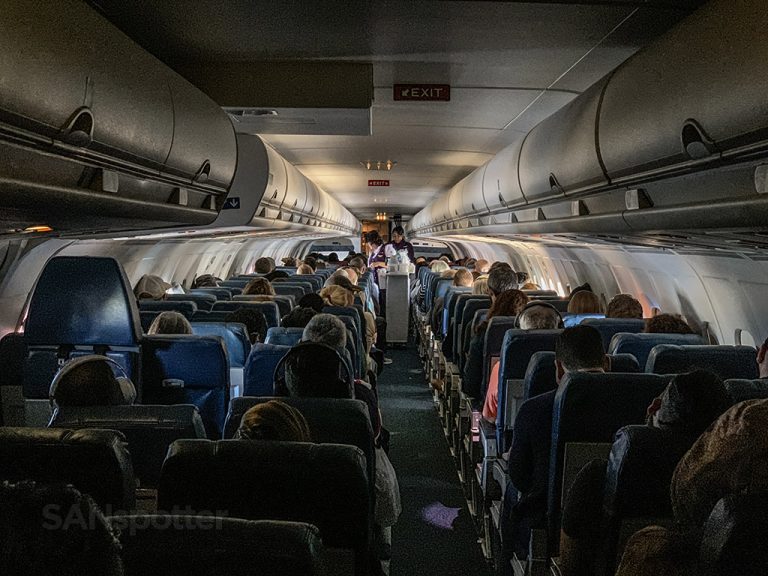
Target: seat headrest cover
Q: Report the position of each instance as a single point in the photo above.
(82, 300)
(725, 361)
(740, 389)
(92, 380)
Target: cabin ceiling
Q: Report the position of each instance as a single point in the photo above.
(509, 65)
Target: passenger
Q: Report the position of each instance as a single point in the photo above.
(482, 266)
(667, 324)
(150, 287)
(530, 286)
(500, 279)
(539, 317)
(311, 261)
(259, 287)
(170, 322)
(263, 266)
(688, 406)
(351, 274)
(462, 278)
(289, 262)
(206, 281)
(480, 286)
(312, 300)
(624, 306)
(54, 529)
(276, 274)
(762, 359)
(439, 266)
(343, 295)
(90, 381)
(584, 302)
(399, 243)
(376, 256)
(586, 286)
(304, 269)
(274, 420)
(522, 277)
(510, 303)
(728, 458)
(333, 258)
(577, 349)
(255, 323)
(499, 264)
(320, 264)
(299, 317)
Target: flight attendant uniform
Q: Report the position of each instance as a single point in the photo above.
(376, 256)
(393, 247)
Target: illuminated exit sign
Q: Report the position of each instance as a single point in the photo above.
(378, 182)
(422, 92)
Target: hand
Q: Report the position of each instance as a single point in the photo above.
(762, 359)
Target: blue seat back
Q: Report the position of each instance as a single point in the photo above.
(358, 332)
(204, 300)
(269, 309)
(592, 407)
(640, 345)
(185, 307)
(258, 378)
(283, 336)
(741, 389)
(517, 348)
(570, 319)
(315, 281)
(284, 303)
(235, 336)
(219, 293)
(235, 283)
(188, 369)
(305, 286)
(79, 301)
(610, 326)
(539, 294)
(287, 269)
(637, 482)
(437, 287)
(449, 305)
(725, 361)
(147, 317)
(285, 289)
(623, 363)
(466, 307)
(494, 336)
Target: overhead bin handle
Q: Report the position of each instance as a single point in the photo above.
(555, 185)
(696, 143)
(203, 172)
(78, 130)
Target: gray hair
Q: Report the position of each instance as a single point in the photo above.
(539, 318)
(326, 329)
(501, 279)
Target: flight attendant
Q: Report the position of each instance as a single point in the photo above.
(399, 243)
(376, 257)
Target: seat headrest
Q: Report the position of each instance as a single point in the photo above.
(725, 361)
(640, 345)
(740, 389)
(284, 336)
(81, 300)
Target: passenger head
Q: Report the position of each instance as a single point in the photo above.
(530, 286)
(259, 286)
(584, 302)
(579, 349)
(398, 234)
(54, 529)
(480, 285)
(439, 266)
(690, 403)
(170, 322)
(333, 258)
(358, 264)
(326, 329)
(150, 287)
(522, 277)
(624, 306)
(667, 324)
(312, 300)
(351, 274)
(501, 279)
(586, 286)
(289, 261)
(539, 316)
(206, 281)
(263, 266)
(450, 273)
(298, 317)
(463, 277)
(255, 323)
(509, 303)
(482, 265)
(304, 269)
(274, 420)
(316, 370)
(311, 261)
(91, 381)
(337, 296)
(499, 264)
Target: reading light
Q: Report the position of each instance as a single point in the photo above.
(378, 165)
(38, 229)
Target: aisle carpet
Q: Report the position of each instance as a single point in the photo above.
(434, 534)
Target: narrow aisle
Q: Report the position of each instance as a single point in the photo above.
(434, 534)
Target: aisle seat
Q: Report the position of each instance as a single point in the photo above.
(640, 345)
(725, 361)
(284, 336)
(269, 309)
(258, 378)
(449, 306)
(285, 289)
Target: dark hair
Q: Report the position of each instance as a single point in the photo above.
(584, 302)
(259, 286)
(584, 286)
(55, 530)
(398, 230)
(170, 322)
(501, 279)
(255, 322)
(312, 300)
(508, 303)
(580, 348)
(667, 324)
(263, 266)
(274, 420)
(522, 277)
(312, 370)
(311, 261)
(299, 317)
(692, 401)
(206, 281)
(624, 306)
(373, 237)
(333, 258)
(87, 383)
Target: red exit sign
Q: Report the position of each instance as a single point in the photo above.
(378, 182)
(422, 92)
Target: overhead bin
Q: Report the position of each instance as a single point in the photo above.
(559, 156)
(697, 93)
(501, 185)
(472, 201)
(298, 189)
